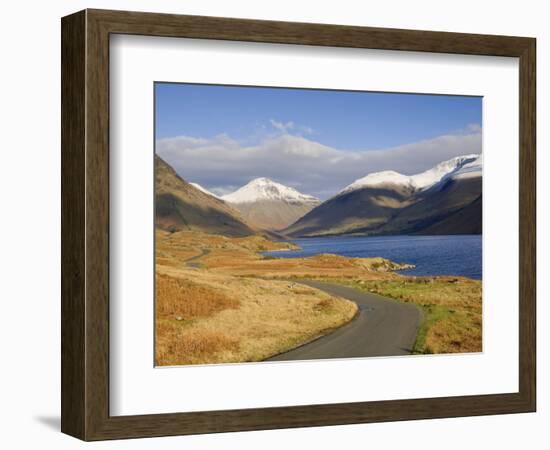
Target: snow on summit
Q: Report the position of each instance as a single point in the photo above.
(379, 178)
(266, 189)
(471, 169)
(458, 166)
(444, 169)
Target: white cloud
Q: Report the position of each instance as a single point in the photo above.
(283, 127)
(473, 128)
(290, 127)
(222, 164)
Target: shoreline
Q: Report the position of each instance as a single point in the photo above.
(286, 253)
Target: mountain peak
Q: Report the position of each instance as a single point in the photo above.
(266, 189)
(262, 180)
(378, 179)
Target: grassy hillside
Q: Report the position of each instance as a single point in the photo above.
(467, 220)
(362, 209)
(180, 206)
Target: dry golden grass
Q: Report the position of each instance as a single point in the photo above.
(184, 299)
(457, 333)
(242, 257)
(177, 346)
(324, 266)
(205, 317)
(179, 301)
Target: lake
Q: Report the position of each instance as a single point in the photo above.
(432, 255)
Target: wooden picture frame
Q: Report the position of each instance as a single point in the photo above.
(85, 224)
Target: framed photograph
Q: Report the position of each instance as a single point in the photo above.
(273, 225)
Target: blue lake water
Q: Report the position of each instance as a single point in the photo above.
(432, 255)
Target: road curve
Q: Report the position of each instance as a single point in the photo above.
(383, 327)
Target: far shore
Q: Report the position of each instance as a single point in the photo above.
(407, 265)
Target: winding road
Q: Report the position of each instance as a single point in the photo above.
(383, 327)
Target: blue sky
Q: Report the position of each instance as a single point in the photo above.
(345, 120)
(317, 141)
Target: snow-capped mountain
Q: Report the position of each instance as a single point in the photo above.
(379, 179)
(445, 199)
(266, 189)
(460, 164)
(269, 205)
(471, 169)
(203, 189)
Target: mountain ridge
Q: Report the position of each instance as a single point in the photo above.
(384, 202)
(391, 203)
(419, 181)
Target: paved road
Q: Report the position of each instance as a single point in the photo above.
(383, 327)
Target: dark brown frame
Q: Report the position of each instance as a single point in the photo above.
(85, 224)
